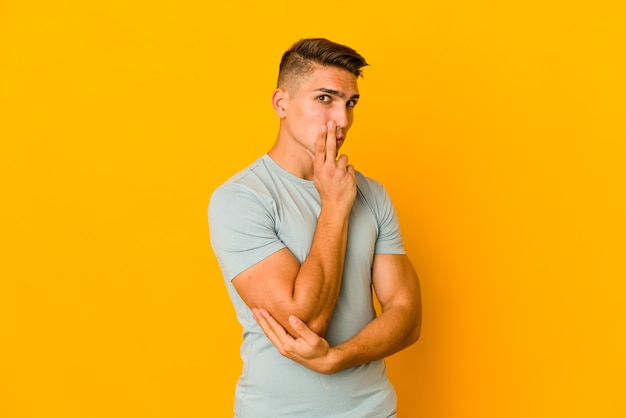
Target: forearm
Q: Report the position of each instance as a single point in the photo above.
(398, 326)
(395, 329)
(392, 331)
(318, 282)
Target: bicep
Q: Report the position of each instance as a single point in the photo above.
(395, 282)
(269, 283)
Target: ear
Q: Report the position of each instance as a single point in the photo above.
(280, 100)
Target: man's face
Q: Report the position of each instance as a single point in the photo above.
(326, 94)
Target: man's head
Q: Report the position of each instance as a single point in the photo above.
(317, 86)
(303, 57)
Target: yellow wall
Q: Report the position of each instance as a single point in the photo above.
(498, 128)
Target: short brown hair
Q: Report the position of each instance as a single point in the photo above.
(304, 54)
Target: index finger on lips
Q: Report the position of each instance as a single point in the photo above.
(331, 141)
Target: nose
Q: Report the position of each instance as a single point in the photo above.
(342, 117)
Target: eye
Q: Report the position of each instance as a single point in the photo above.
(351, 103)
(324, 98)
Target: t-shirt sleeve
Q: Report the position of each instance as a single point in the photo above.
(241, 229)
(389, 236)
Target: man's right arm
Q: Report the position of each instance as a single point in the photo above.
(283, 286)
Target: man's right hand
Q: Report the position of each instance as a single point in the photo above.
(284, 287)
(333, 177)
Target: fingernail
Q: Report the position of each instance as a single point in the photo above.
(293, 319)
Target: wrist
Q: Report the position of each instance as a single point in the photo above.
(332, 361)
(334, 212)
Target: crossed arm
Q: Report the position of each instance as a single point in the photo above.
(398, 326)
(302, 297)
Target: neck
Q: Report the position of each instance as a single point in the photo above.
(292, 157)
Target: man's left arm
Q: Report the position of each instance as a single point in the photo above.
(397, 288)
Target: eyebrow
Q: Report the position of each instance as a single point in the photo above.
(336, 93)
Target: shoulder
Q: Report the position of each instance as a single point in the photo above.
(245, 190)
(250, 180)
(246, 177)
(370, 188)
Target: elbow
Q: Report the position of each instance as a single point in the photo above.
(317, 325)
(416, 330)
(317, 320)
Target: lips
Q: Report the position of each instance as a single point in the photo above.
(340, 136)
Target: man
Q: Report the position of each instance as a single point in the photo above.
(301, 238)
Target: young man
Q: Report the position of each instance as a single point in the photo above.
(301, 238)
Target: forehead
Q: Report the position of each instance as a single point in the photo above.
(333, 78)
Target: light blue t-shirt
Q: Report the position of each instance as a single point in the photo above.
(261, 210)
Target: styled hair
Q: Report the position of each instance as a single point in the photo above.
(302, 57)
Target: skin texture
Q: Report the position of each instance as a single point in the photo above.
(293, 302)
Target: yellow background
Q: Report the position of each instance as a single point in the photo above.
(498, 128)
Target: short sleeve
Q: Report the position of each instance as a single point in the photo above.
(389, 235)
(242, 229)
(389, 240)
